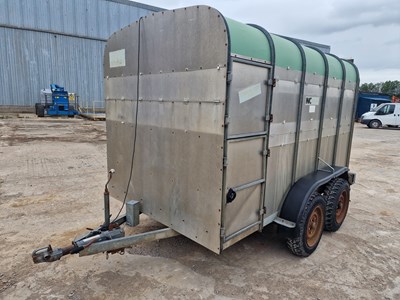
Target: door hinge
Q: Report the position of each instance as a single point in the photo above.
(229, 78)
(267, 153)
(227, 120)
(272, 82)
(269, 118)
(225, 162)
(222, 232)
(263, 211)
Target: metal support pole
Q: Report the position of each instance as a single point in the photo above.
(106, 208)
(107, 201)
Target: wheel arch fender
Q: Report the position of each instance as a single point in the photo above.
(299, 193)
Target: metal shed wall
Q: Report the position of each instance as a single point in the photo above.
(58, 41)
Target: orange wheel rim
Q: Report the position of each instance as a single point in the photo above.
(315, 225)
(342, 207)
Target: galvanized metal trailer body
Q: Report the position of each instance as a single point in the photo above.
(223, 120)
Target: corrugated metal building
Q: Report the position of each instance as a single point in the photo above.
(58, 41)
(62, 42)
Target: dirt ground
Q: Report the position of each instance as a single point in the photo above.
(52, 174)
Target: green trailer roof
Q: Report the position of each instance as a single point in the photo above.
(315, 61)
(287, 54)
(351, 72)
(335, 68)
(248, 41)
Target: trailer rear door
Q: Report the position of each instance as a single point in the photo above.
(246, 140)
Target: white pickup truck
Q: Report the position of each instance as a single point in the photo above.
(386, 114)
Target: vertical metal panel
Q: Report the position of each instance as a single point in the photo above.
(178, 164)
(92, 17)
(197, 56)
(114, 17)
(116, 43)
(330, 120)
(81, 17)
(56, 16)
(4, 12)
(103, 18)
(28, 13)
(245, 157)
(278, 181)
(14, 12)
(345, 127)
(34, 59)
(299, 108)
(69, 16)
(282, 137)
(124, 16)
(268, 212)
(247, 100)
(41, 12)
(310, 120)
(340, 110)
(354, 86)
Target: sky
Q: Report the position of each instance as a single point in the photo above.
(366, 30)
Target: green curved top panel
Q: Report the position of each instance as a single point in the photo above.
(315, 61)
(335, 68)
(248, 41)
(287, 54)
(351, 73)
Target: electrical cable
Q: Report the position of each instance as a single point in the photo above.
(135, 129)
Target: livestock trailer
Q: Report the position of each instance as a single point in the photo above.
(218, 128)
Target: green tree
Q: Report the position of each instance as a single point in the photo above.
(391, 88)
(388, 87)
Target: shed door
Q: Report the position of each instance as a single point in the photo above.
(245, 165)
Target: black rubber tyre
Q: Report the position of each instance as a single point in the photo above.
(40, 111)
(374, 124)
(309, 228)
(337, 197)
(36, 108)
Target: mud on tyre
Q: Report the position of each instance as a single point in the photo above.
(308, 231)
(337, 197)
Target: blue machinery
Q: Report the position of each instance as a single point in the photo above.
(59, 105)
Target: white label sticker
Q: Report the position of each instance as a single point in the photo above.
(311, 100)
(117, 58)
(311, 109)
(249, 93)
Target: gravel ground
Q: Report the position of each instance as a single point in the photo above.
(52, 174)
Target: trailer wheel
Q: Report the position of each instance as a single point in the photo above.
(337, 195)
(308, 232)
(374, 124)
